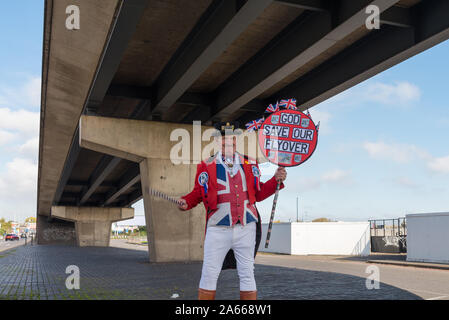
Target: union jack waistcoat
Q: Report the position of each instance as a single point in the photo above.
(232, 199)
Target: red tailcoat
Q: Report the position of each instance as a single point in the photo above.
(209, 199)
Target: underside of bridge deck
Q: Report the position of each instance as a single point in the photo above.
(175, 61)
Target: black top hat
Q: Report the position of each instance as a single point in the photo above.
(227, 128)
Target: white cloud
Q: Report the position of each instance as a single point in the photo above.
(27, 95)
(6, 137)
(399, 153)
(32, 91)
(399, 94)
(21, 121)
(405, 182)
(308, 183)
(18, 185)
(18, 178)
(405, 153)
(30, 148)
(440, 165)
(335, 176)
(344, 147)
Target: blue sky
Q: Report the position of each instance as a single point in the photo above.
(383, 149)
(21, 28)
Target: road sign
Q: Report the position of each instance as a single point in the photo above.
(288, 138)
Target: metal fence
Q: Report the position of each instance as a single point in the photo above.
(388, 227)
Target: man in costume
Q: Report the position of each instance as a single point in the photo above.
(228, 184)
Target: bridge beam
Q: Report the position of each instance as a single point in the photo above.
(101, 172)
(380, 51)
(312, 5)
(377, 52)
(92, 224)
(310, 35)
(220, 25)
(130, 178)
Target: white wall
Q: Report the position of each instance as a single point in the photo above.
(331, 238)
(428, 237)
(325, 238)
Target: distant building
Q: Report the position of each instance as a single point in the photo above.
(123, 228)
(31, 227)
(128, 225)
(15, 226)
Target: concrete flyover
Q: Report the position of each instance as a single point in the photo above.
(114, 89)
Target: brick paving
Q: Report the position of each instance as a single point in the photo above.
(38, 272)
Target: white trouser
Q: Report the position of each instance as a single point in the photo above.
(218, 241)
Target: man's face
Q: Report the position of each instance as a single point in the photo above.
(228, 145)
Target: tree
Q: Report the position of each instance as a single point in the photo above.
(31, 219)
(5, 226)
(321, 220)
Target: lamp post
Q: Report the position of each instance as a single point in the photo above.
(297, 209)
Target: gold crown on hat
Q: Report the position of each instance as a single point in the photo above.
(228, 126)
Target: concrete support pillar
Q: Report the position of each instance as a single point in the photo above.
(173, 235)
(92, 224)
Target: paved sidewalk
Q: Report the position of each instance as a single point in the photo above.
(426, 283)
(38, 272)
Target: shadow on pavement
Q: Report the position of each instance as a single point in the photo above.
(116, 273)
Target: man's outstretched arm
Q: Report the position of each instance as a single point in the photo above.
(192, 199)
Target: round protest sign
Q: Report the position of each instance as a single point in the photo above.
(288, 137)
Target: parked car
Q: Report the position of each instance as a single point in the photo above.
(11, 237)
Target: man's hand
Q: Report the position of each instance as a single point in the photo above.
(280, 175)
(182, 204)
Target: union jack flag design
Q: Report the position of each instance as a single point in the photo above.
(232, 196)
(289, 104)
(254, 125)
(272, 108)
